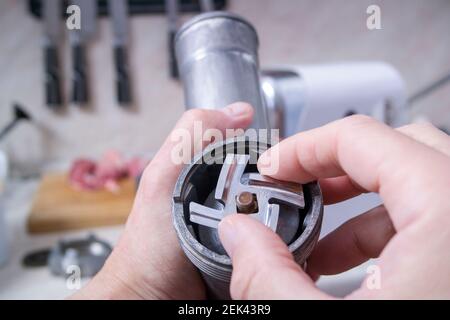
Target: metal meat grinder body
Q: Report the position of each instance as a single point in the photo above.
(217, 56)
(224, 180)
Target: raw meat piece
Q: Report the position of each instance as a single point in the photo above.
(86, 174)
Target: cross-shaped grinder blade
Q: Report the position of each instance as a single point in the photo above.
(234, 186)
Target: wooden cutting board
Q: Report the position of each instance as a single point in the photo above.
(57, 206)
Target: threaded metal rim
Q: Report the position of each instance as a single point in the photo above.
(219, 266)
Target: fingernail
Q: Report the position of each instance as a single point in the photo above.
(269, 162)
(236, 109)
(228, 234)
(264, 161)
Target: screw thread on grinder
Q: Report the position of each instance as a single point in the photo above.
(198, 201)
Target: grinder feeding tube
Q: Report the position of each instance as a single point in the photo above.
(218, 65)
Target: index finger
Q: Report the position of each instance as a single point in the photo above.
(375, 156)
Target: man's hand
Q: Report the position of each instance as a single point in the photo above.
(148, 261)
(408, 167)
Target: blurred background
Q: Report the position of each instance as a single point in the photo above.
(413, 39)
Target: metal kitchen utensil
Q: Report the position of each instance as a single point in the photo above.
(53, 30)
(88, 254)
(217, 55)
(172, 9)
(19, 114)
(119, 18)
(79, 40)
(224, 180)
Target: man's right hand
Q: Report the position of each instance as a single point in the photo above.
(408, 167)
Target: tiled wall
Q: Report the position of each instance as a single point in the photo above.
(415, 39)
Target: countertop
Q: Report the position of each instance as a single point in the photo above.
(17, 282)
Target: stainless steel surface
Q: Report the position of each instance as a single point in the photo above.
(217, 55)
(118, 10)
(52, 19)
(285, 98)
(232, 182)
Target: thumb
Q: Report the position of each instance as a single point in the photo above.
(263, 267)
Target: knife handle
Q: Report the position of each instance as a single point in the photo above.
(80, 86)
(122, 78)
(37, 258)
(52, 79)
(172, 57)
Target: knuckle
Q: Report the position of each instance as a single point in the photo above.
(147, 174)
(147, 184)
(354, 123)
(359, 119)
(307, 153)
(418, 127)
